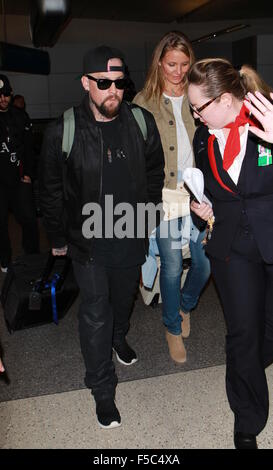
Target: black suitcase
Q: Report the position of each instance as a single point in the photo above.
(38, 289)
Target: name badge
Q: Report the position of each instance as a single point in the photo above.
(265, 156)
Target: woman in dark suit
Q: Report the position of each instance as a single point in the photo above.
(238, 173)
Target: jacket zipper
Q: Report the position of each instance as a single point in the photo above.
(101, 164)
(101, 168)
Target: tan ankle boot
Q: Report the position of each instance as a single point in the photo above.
(185, 324)
(176, 347)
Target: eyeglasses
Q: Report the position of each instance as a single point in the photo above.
(204, 106)
(6, 94)
(105, 83)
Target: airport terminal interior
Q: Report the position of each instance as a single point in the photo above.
(163, 405)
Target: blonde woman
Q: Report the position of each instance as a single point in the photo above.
(165, 96)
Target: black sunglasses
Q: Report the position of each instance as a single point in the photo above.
(6, 94)
(201, 108)
(105, 83)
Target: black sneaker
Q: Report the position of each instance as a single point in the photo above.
(107, 414)
(125, 355)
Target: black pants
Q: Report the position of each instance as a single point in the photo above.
(246, 291)
(106, 301)
(19, 200)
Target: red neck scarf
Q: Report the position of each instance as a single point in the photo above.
(233, 144)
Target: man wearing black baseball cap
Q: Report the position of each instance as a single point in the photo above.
(100, 65)
(5, 92)
(16, 171)
(110, 159)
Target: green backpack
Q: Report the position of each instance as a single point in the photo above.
(69, 128)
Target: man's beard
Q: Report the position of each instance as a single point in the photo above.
(105, 111)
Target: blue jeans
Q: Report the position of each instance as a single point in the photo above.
(173, 297)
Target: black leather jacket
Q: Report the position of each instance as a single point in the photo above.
(65, 186)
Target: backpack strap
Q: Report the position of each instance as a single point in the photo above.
(68, 131)
(140, 119)
(69, 128)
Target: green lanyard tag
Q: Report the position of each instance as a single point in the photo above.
(265, 156)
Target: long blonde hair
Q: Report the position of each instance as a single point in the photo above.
(218, 76)
(154, 83)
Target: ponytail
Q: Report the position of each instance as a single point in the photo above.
(253, 82)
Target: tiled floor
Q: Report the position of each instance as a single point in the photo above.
(185, 410)
(188, 410)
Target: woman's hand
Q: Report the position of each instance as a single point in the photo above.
(203, 210)
(263, 112)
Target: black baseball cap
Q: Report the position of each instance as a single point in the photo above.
(96, 60)
(5, 87)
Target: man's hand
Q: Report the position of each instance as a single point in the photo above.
(2, 368)
(59, 251)
(26, 179)
(203, 210)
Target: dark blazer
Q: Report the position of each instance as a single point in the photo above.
(252, 197)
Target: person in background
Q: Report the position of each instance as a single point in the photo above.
(2, 367)
(109, 159)
(16, 172)
(231, 150)
(3, 373)
(19, 102)
(165, 96)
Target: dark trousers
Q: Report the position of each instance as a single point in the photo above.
(246, 291)
(106, 301)
(19, 200)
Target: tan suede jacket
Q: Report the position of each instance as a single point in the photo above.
(164, 117)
